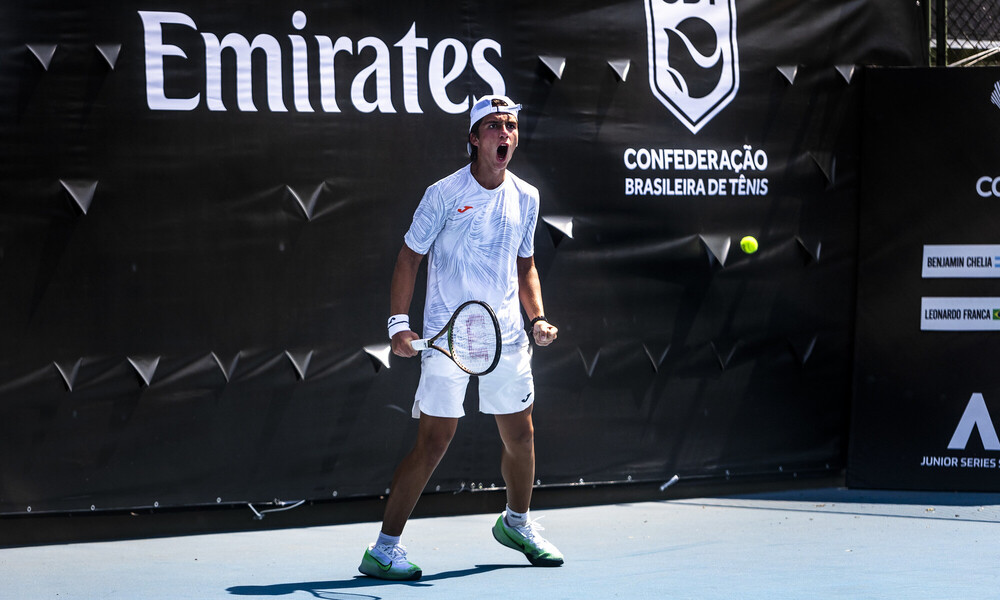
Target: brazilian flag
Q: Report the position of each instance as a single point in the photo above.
(996, 314)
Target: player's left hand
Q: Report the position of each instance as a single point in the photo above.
(544, 333)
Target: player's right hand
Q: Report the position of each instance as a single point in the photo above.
(401, 344)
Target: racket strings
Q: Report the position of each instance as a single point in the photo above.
(474, 338)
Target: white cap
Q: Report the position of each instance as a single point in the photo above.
(490, 104)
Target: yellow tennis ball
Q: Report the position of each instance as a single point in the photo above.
(749, 244)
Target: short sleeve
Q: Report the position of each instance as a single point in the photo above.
(527, 247)
(428, 220)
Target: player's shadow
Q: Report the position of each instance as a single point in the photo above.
(329, 589)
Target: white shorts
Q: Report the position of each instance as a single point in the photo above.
(506, 390)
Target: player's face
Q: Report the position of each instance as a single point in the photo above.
(497, 139)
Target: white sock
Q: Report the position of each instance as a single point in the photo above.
(514, 518)
(388, 540)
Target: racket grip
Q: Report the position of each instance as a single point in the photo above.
(419, 345)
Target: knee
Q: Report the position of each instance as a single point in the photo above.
(434, 446)
(521, 441)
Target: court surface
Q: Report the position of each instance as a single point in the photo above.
(824, 543)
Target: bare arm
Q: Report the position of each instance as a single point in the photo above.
(404, 277)
(530, 294)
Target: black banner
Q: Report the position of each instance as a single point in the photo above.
(201, 203)
(928, 401)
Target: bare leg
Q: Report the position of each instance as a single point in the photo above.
(518, 461)
(414, 471)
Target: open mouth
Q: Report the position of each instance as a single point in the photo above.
(502, 152)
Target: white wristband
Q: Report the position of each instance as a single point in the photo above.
(398, 323)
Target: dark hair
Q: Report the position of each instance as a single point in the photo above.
(474, 153)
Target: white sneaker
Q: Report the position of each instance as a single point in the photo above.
(525, 538)
(388, 562)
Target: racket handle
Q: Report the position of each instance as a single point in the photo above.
(419, 345)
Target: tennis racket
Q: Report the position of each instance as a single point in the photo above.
(471, 338)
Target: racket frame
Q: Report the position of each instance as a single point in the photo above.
(446, 332)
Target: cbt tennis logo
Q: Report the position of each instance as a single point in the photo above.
(694, 65)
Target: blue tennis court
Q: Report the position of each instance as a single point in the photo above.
(820, 543)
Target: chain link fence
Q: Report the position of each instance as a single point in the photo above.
(964, 32)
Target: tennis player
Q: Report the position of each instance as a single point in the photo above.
(477, 228)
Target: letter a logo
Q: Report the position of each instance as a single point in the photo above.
(975, 415)
(694, 67)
